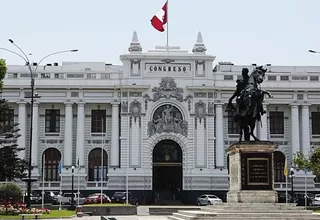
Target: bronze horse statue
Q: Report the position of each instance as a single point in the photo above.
(249, 108)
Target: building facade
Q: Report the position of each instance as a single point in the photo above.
(155, 125)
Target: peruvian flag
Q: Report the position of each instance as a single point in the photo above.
(160, 19)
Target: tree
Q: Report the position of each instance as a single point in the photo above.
(10, 193)
(3, 71)
(11, 166)
(310, 162)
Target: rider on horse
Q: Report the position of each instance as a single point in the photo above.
(242, 89)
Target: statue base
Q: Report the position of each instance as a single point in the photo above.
(251, 172)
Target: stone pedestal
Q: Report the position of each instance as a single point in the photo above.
(251, 175)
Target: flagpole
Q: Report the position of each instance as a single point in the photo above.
(286, 188)
(286, 174)
(60, 168)
(167, 13)
(128, 159)
(102, 126)
(78, 181)
(43, 164)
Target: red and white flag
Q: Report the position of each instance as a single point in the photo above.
(160, 19)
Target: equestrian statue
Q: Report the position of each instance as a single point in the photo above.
(249, 102)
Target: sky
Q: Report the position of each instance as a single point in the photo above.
(277, 32)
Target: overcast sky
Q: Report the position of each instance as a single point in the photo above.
(279, 32)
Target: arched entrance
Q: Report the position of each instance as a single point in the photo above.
(50, 160)
(279, 159)
(96, 167)
(167, 172)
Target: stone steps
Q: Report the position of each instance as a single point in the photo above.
(242, 211)
(192, 215)
(255, 205)
(187, 215)
(256, 210)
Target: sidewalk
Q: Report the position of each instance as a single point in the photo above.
(132, 217)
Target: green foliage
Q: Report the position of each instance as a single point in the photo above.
(10, 193)
(3, 71)
(310, 162)
(11, 166)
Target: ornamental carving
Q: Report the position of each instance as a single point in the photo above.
(167, 118)
(124, 106)
(210, 107)
(135, 112)
(167, 89)
(200, 111)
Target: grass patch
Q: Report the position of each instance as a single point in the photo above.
(53, 214)
(108, 204)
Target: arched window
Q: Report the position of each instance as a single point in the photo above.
(95, 166)
(279, 160)
(52, 157)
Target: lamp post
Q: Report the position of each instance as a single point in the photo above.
(291, 176)
(313, 51)
(32, 97)
(72, 207)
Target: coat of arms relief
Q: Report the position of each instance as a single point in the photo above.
(167, 118)
(167, 89)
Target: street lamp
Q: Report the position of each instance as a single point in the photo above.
(291, 176)
(32, 96)
(72, 207)
(313, 51)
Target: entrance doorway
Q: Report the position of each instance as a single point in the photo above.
(167, 173)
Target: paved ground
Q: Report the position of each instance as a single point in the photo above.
(133, 217)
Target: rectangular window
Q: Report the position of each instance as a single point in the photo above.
(276, 120)
(315, 118)
(272, 78)
(7, 120)
(314, 78)
(52, 120)
(233, 127)
(284, 78)
(98, 121)
(228, 77)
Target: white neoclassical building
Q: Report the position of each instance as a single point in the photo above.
(155, 124)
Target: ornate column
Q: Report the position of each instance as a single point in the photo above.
(263, 131)
(35, 135)
(219, 136)
(295, 138)
(23, 129)
(80, 133)
(305, 137)
(67, 152)
(115, 135)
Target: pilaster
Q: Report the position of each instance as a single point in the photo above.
(22, 143)
(80, 133)
(115, 135)
(67, 154)
(295, 136)
(305, 133)
(219, 136)
(35, 135)
(263, 126)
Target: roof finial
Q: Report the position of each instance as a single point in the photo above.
(199, 46)
(135, 45)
